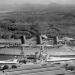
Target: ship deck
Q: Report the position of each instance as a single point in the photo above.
(38, 70)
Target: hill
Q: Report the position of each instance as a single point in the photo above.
(53, 19)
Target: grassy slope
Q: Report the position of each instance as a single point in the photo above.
(61, 18)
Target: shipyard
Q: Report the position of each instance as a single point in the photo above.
(37, 37)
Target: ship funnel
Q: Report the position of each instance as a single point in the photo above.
(39, 39)
(23, 39)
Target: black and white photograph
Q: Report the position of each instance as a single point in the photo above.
(37, 37)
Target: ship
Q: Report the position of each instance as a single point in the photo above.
(44, 62)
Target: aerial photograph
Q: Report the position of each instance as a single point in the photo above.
(37, 37)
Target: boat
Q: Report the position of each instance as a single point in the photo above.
(46, 68)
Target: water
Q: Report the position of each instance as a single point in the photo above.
(6, 57)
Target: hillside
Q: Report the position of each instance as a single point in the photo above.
(52, 19)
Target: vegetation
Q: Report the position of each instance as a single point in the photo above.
(47, 21)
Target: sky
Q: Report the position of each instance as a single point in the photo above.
(37, 1)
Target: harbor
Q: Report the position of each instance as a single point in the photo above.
(37, 37)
